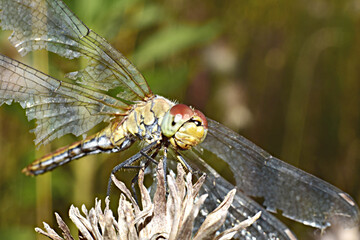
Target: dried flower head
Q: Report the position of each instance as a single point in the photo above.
(163, 217)
(338, 232)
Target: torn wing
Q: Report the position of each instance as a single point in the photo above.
(50, 25)
(58, 107)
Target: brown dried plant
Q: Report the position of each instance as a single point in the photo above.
(163, 217)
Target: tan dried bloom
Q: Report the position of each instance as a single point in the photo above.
(170, 217)
(338, 232)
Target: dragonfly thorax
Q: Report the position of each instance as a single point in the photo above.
(157, 118)
(143, 121)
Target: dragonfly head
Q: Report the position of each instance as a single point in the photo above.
(185, 127)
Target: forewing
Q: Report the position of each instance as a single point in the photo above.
(266, 227)
(58, 107)
(49, 24)
(299, 195)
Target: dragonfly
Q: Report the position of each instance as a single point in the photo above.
(110, 89)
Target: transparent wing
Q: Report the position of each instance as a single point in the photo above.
(49, 24)
(58, 107)
(265, 228)
(299, 195)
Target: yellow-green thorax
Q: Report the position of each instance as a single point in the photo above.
(143, 121)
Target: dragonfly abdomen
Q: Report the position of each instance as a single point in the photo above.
(98, 143)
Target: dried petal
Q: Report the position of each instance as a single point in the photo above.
(168, 217)
(81, 223)
(49, 232)
(120, 185)
(64, 228)
(215, 219)
(229, 233)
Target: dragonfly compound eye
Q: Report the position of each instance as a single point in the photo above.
(184, 126)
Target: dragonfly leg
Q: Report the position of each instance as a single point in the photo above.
(130, 161)
(165, 167)
(185, 164)
(135, 179)
(196, 172)
(150, 159)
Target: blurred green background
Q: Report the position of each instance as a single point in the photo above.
(285, 74)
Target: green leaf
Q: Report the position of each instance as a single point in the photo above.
(172, 40)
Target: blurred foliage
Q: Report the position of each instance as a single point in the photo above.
(285, 74)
